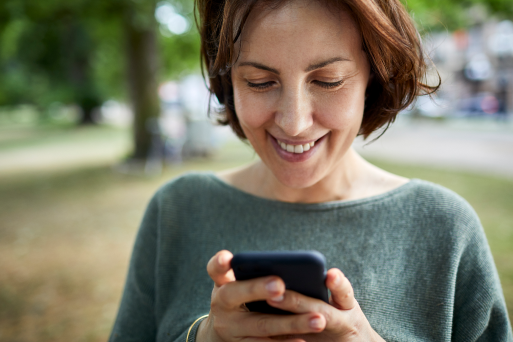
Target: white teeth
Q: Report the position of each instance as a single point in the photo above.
(296, 148)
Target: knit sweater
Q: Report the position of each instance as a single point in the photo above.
(416, 256)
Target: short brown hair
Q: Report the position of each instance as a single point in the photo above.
(389, 37)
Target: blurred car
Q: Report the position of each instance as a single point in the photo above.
(483, 104)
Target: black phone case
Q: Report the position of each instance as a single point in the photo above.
(302, 271)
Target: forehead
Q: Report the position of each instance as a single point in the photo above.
(299, 30)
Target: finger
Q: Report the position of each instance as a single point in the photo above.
(277, 338)
(234, 294)
(342, 294)
(286, 338)
(259, 325)
(219, 268)
(300, 304)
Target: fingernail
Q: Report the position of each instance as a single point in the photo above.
(223, 258)
(336, 281)
(277, 299)
(273, 286)
(316, 323)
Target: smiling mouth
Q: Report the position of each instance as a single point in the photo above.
(295, 148)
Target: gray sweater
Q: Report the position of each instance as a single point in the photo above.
(417, 258)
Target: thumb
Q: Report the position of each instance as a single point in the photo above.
(219, 268)
(342, 295)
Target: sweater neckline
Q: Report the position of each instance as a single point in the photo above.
(314, 206)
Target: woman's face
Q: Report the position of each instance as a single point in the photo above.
(299, 89)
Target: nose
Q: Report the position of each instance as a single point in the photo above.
(294, 112)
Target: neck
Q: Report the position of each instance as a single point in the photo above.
(343, 183)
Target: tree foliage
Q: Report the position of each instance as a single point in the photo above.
(454, 14)
(46, 54)
(75, 51)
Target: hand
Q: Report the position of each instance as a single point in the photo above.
(344, 320)
(229, 320)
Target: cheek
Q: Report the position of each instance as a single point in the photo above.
(253, 110)
(342, 112)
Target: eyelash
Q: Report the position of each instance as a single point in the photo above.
(260, 86)
(329, 85)
(326, 85)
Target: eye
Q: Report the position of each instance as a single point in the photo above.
(328, 85)
(260, 86)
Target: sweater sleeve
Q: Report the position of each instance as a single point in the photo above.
(480, 312)
(136, 316)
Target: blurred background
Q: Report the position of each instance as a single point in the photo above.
(102, 102)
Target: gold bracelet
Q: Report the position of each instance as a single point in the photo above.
(187, 338)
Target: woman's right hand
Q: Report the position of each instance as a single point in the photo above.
(229, 319)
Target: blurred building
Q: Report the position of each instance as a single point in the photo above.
(476, 66)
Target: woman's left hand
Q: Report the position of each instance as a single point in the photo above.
(344, 320)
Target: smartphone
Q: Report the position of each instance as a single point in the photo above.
(302, 271)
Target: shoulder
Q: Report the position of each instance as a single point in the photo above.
(432, 205)
(185, 190)
(438, 201)
(194, 191)
(187, 184)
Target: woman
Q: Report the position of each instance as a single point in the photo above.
(300, 80)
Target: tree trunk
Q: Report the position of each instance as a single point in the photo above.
(142, 71)
(76, 39)
(88, 100)
(86, 118)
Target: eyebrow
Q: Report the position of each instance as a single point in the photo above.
(259, 66)
(316, 66)
(311, 67)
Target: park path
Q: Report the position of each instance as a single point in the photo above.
(476, 146)
(84, 148)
